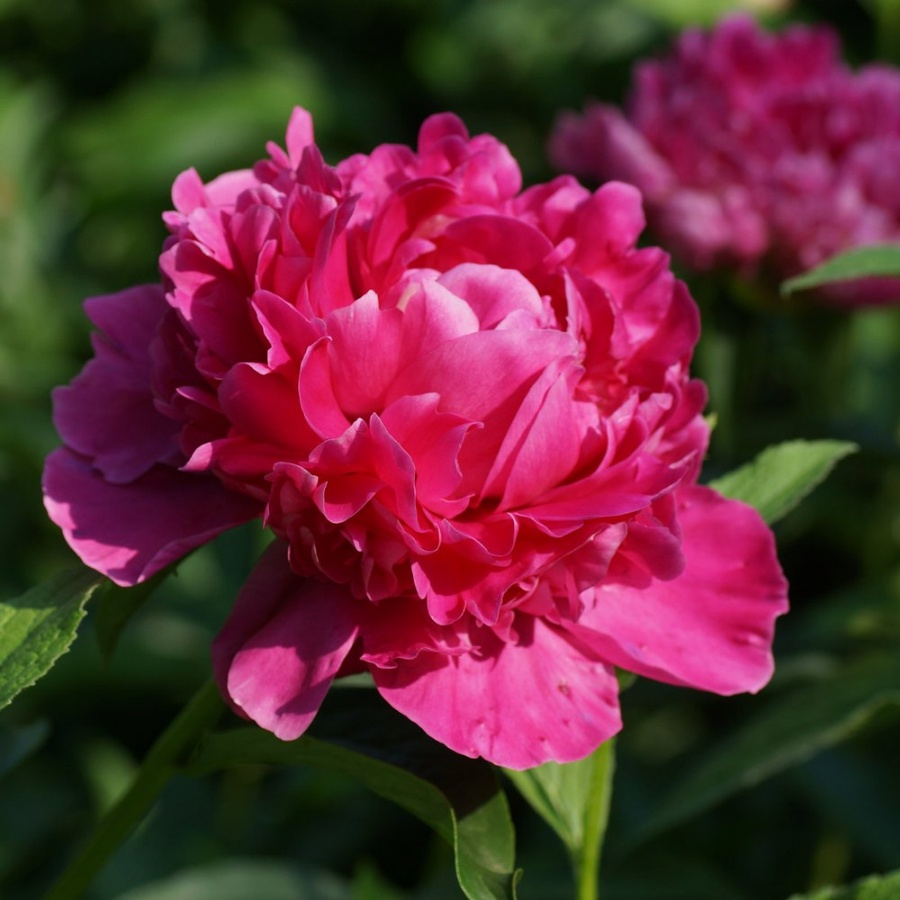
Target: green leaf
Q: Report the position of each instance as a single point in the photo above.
(39, 626)
(367, 741)
(808, 720)
(573, 798)
(116, 605)
(860, 262)
(878, 887)
(782, 475)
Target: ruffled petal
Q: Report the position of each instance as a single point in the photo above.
(108, 412)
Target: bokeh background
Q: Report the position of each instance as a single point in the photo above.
(102, 104)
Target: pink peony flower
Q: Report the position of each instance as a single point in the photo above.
(756, 152)
(465, 413)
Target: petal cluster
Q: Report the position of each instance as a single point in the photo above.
(465, 412)
(756, 152)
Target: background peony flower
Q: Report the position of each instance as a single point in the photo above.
(757, 152)
(465, 412)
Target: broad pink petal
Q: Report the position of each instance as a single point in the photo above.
(475, 374)
(515, 704)
(712, 626)
(130, 531)
(284, 642)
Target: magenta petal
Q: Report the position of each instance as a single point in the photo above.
(130, 531)
(541, 446)
(604, 139)
(712, 626)
(284, 642)
(108, 411)
(364, 354)
(516, 705)
(477, 374)
(495, 293)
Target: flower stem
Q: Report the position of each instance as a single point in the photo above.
(587, 862)
(161, 763)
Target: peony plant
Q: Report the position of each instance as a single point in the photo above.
(465, 413)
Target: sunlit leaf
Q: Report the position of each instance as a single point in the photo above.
(782, 475)
(37, 627)
(878, 887)
(785, 733)
(458, 797)
(877, 260)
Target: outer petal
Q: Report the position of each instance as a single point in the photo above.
(128, 532)
(517, 705)
(712, 626)
(286, 639)
(108, 411)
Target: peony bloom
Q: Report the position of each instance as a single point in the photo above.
(464, 410)
(755, 152)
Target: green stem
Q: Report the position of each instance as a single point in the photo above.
(587, 861)
(162, 762)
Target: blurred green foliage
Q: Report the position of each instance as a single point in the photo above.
(101, 105)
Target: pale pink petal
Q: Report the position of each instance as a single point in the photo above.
(712, 626)
(284, 642)
(515, 704)
(130, 531)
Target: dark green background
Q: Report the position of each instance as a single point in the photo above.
(102, 103)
